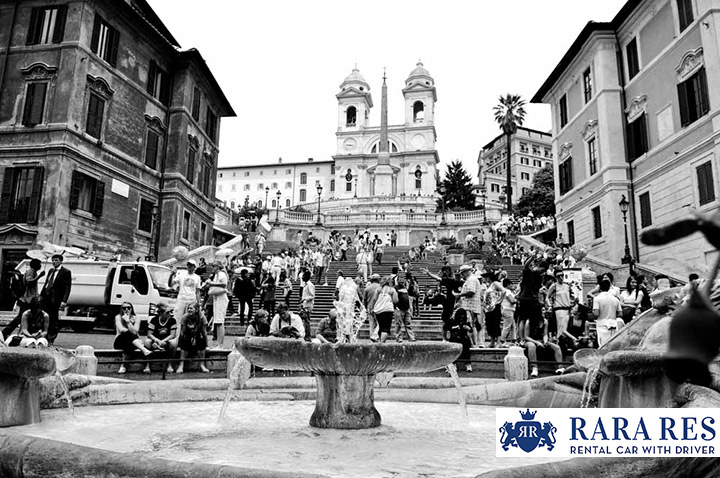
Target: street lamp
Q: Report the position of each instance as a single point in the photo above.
(441, 190)
(267, 190)
(319, 191)
(627, 258)
(355, 188)
(277, 212)
(153, 234)
(483, 196)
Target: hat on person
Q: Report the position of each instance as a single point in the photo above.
(465, 267)
(192, 262)
(375, 277)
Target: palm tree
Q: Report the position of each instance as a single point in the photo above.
(509, 114)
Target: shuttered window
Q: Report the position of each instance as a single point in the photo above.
(87, 194)
(706, 189)
(211, 124)
(190, 173)
(566, 175)
(105, 40)
(196, 104)
(597, 222)
(685, 14)
(34, 104)
(571, 232)
(47, 25)
(96, 108)
(151, 149)
(158, 83)
(693, 98)
(637, 137)
(145, 216)
(633, 60)
(21, 194)
(645, 211)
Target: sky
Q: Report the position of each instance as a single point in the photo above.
(280, 64)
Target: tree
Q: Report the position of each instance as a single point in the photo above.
(540, 199)
(457, 188)
(509, 114)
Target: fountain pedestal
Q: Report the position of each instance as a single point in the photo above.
(345, 373)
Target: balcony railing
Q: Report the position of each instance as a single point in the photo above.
(459, 218)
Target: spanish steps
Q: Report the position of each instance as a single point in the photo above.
(427, 326)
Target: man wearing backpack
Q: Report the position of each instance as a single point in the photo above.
(24, 288)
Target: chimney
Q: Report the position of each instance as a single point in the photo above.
(310, 160)
(280, 160)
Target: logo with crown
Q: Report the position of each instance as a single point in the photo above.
(527, 434)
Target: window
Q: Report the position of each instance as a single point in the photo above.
(693, 97)
(317, 170)
(247, 174)
(536, 150)
(587, 85)
(537, 163)
(523, 148)
(351, 116)
(287, 203)
(152, 141)
(273, 186)
(633, 61)
(548, 152)
(260, 186)
(524, 160)
(34, 104)
(645, 212)
(303, 178)
(288, 171)
(158, 83)
(332, 185)
(145, 215)
(190, 172)
(220, 175)
(418, 112)
(47, 25)
(288, 184)
(332, 168)
(685, 13)
(597, 223)
(196, 104)
(317, 182)
(525, 176)
(232, 188)
(637, 138)
(87, 194)
(706, 190)
(96, 108)
(105, 40)
(592, 156)
(274, 172)
(233, 174)
(563, 111)
(566, 176)
(494, 188)
(203, 232)
(211, 124)
(246, 187)
(206, 174)
(571, 232)
(220, 188)
(418, 183)
(348, 187)
(21, 192)
(274, 203)
(303, 195)
(262, 172)
(185, 233)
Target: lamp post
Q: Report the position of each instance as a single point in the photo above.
(627, 258)
(153, 233)
(355, 188)
(483, 196)
(319, 191)
(277, 211)
(267, 190)
(441, 190)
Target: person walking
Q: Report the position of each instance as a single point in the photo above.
(218, 284)
(471, 298)
(244, 290)
(370, 295)
(54, 295)
(403, 314)
(187, 283)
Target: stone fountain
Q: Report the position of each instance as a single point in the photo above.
(20, 373)
(345, 373)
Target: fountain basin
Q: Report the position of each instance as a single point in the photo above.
(345, 373)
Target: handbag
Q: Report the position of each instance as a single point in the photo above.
(383, 303)
(216, 291)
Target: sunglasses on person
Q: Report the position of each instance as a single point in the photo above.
(126, 308)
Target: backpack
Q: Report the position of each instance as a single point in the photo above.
(17, 284)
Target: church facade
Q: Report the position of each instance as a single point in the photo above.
(383, 167)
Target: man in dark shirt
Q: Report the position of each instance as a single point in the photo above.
(403, 314)
(244, 290)
(449, 284)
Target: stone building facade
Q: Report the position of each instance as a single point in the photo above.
(109, 132)
(530, 151)
(635, 113)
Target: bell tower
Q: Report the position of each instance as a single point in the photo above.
(420, 97)
(354, 103)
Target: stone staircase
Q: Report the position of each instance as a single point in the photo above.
(427, 326)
